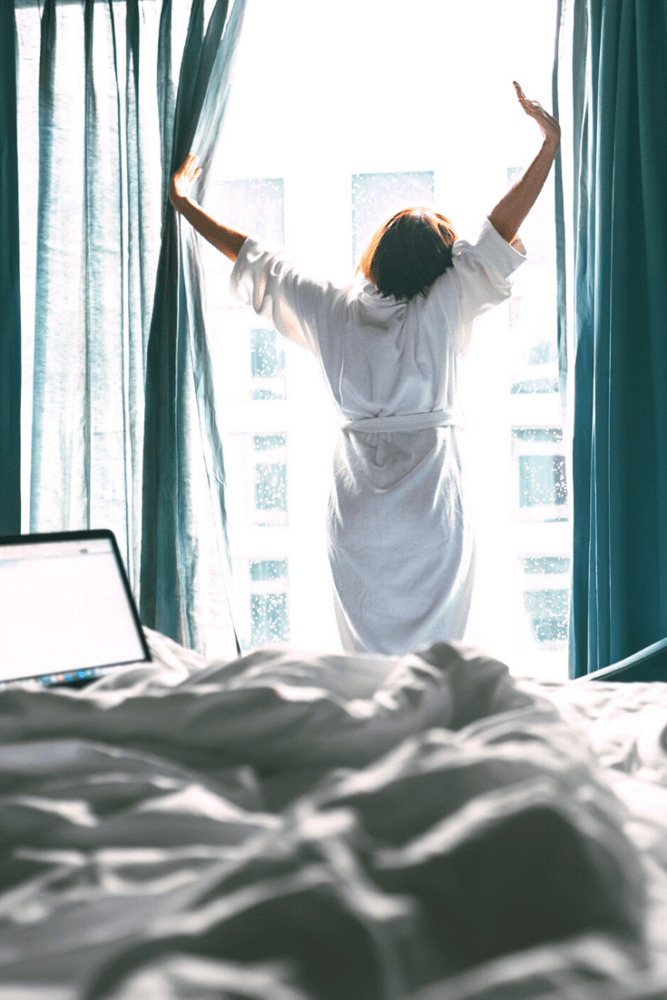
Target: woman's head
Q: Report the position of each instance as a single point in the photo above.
(408, 252)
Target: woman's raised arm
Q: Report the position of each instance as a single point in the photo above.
(227, 241)
(513, 208)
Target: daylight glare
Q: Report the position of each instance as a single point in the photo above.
(353, 116)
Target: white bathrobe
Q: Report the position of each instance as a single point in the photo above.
(400, 540)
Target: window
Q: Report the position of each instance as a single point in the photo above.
(264, 570)
(534, 368)
(248, 356)
(269, 603)
(542, 513)
(541, 484)
(267, 364)
(546, 599)
(548, 611)
(537, 433)
(251, 376)
(340, 158)
(270, 622)
(535, 385)
(546, 564)
(543, 352)
(542, 480)
(270, 481)
(271, 486)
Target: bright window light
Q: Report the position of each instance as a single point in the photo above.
(339, 116)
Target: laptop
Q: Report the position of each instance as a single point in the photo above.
(67, 614)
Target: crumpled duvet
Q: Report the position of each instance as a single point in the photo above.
(295, 826)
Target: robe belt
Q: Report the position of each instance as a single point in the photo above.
(405, 422)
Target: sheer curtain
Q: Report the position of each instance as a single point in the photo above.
(110, 94)
(10, 314)
(182, 556)
(619, 321)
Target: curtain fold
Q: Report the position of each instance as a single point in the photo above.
(10, 309)
(111, 428)
(94, 260)
(619, 150)
(561, 284)
(174, 513)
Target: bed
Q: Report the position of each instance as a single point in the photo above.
(293, 826)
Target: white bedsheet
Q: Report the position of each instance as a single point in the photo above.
(288, 825)
(626, 725)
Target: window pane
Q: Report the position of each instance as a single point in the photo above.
(548, 611)
(270, 619)
(535, 385)
(537, 433)
(254, 206)
(546, 564)
(531, 324)
(268, 442)
(267, 365)
(262, 570)
(267, 355)
(271, 486)
(542, 480)
(542, 353)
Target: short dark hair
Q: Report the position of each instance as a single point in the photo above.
(408, 252)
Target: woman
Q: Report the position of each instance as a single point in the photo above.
(400, 540)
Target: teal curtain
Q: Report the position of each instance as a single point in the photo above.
(118, 412)
(10, 311)
(619, 370)
(178, 360)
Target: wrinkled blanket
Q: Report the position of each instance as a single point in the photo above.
(295, 826)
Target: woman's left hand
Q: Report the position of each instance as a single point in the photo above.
(183, 181)
(548, 124)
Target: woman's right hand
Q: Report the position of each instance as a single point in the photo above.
(550, 127)
(183, 180)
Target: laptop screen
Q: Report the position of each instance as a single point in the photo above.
(64, 610)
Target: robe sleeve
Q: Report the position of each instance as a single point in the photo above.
(483, 272)
(273, 285)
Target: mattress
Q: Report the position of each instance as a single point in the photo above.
(291, 825)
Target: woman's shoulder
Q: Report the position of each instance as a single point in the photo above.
(489, 249)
